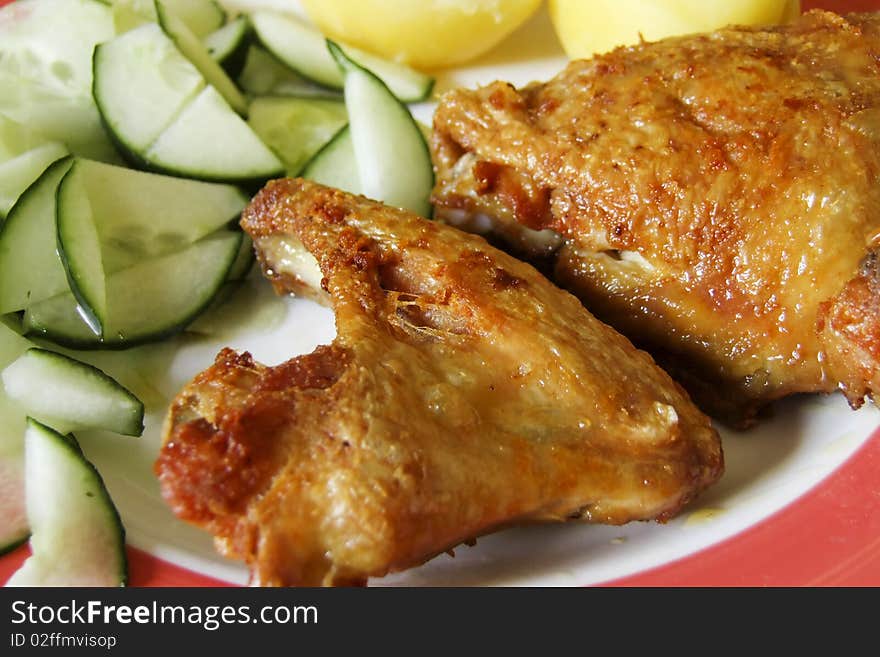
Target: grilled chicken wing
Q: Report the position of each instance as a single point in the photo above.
(463, 392)
(714, 197)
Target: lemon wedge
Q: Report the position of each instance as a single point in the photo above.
(588, 28)
(426, 35)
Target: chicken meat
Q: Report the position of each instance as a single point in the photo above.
(715, 197)
(464, 392)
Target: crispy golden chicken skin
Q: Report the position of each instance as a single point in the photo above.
(714, 197)
(463, 392)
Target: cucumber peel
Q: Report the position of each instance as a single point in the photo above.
(197, 53)
(335, 164)
(14, 529)
(77, 537)
(301, 47)
(296, 127)
(30, 269)
(165, 116)
(145, 301)
(69, 395)
(19, 173)
(228, 46)
(392, 156)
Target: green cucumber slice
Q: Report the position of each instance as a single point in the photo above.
(30, 269)
(143, 63)
(296, 127)
(229, 45)
(24, 155)
(264, 75)
(335, 164)
(129, 14)
(14, 527)
(206, 322)
(46, 70)
(77, 537)
(186, 129)
(16, 138)
(210, 142)
(145, 302)
(68, 395)
(201, 16)
(393, 160)
(80, 250)
(302, 48)
(110, 218)
(243, 262)
(19, 173)
(140, 215)
(196, 52)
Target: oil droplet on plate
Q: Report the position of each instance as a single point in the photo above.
(702, 515)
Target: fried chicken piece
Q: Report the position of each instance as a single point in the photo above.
(463, 392)
(714, 197)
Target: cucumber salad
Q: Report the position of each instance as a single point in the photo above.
(132, 135)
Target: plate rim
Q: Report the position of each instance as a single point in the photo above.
(836, 543)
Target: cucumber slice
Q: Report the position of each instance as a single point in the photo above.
(264, 75)
(67, 395)
(210, 142)
(80, 250)
(139, 215)
(186, 128)
(19, 173)
(244, 260)
(14, 527)
(129, 14)
(302, 48)
(110, 218)
(46, 70)
(229, 45)
(335, 164)
(393, 160)
(201, 16)
(296, 127)
(24, 155)
(196, 52)
(145, 302)
(30, 269)
(77, 536)
(12, 345)
(16, 138)
(142, 83)
(56, 35)
(207, 322)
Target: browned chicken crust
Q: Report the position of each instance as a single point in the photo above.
(463, 392)
(714, 197)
